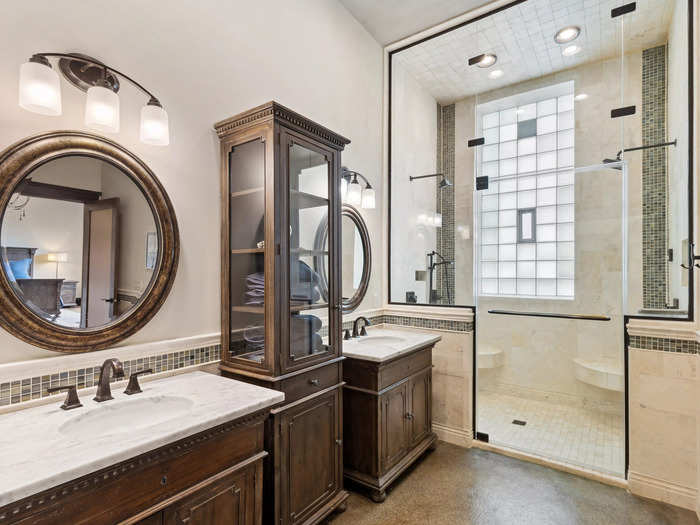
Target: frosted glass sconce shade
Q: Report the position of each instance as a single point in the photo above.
(154, 124)
(39, 87)
(354, 195)
(368, 198)
(102, 109)
(343, 188)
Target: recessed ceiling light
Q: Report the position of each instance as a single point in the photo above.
(567, 34)
(580, 96)
(496, 73)
(570, 50)
(485, 60)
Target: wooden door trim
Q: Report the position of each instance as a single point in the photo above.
(85, 278)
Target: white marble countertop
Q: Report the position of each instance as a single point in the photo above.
(44, 446)
(384, 344)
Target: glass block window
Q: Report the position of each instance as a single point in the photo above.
(527, 212)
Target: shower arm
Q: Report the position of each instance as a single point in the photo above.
(412, 178)
(648, 146)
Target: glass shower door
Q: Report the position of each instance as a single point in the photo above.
(550, 319)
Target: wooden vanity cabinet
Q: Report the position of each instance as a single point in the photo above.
(387, 408)
(280, 185)
(210, 478)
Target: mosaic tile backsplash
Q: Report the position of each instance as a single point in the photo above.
(654, 179)
(679, 346)
(30, 388)
(445, 204)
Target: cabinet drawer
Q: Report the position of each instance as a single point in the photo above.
(404, 367)
(310, 382)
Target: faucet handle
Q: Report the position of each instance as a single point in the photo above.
(363, 331)
(133, 387)
(347, 334)
(72, 400)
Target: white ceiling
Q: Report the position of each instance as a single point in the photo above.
(391, 20)
(523, 39)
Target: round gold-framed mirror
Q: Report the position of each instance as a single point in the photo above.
(356, 258)
(89, 242)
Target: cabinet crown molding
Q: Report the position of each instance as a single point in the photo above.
(267, 111)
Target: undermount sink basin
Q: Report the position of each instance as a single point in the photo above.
(114, 417)
(381, 339)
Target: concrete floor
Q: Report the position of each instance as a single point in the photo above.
(453, 485)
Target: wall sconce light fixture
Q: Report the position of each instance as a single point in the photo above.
(352, 191)
(40, 92)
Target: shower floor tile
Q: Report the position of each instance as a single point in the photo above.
(582, 437)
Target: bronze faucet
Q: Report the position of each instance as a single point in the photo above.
(104, 393)
(354, 326)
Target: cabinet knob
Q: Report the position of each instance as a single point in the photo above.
(314, 382)
(339, 442)
(409, 415)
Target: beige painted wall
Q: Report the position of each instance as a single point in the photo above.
(135, 220)
(205, 61)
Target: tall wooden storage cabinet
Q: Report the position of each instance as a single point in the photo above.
(280, 181)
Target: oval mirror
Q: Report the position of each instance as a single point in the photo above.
(88, 241)
(356, 257)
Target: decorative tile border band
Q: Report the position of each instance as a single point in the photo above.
(29, 388)
(662, 344)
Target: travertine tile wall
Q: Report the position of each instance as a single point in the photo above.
(663, 410)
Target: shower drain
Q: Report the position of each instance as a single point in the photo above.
(519, 422)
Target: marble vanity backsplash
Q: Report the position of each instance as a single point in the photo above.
(13, 391)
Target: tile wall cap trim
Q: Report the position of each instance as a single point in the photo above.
(430, 312)
(490, 6)
(64, 362)
(662, 490)
(663, 329)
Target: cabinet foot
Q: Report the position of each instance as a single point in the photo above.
(432, 446)
(378, 496)
(342, 507)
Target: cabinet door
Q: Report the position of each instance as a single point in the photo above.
(394, 430)
(310, 438)
(420, 387)
(228, 501)
(311, 290)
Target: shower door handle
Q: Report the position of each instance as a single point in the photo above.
(691, 258)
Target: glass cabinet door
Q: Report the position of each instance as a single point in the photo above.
(247, 253)
(309, 208)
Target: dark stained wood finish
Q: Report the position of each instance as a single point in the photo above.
(43, 293)
(311, 382)
(179, 474)
(43, 190)
(387, 424)
(310, 440)
(16, 163)
(303, 479)
(230, 500)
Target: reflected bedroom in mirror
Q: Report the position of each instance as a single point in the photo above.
(79, 242)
